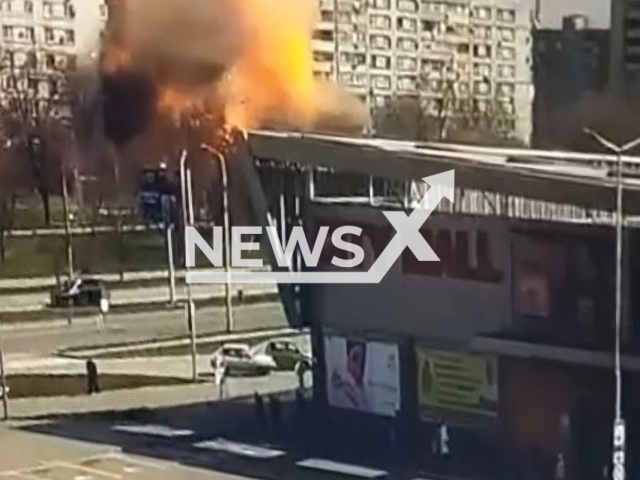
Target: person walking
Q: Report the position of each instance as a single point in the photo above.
(93, 385)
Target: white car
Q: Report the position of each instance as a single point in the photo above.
(238, 360)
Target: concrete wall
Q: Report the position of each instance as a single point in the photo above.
(410, 301)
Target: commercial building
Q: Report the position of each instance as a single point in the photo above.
(507, 341)
(48, 38)
(461, 57)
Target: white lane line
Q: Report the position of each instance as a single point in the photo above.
(85, 469)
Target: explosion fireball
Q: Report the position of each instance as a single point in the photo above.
(251, 58)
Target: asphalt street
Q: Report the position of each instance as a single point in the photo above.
(43, 340)
(33, 301)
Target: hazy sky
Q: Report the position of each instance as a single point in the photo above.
(553, 11)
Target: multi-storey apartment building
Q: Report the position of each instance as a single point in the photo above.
(44, 39)
(625, 44)
(465, 56)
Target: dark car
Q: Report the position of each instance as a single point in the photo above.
(285, 353)
(79, 292)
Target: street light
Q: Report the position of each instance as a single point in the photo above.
(619, 427)
(226, 227)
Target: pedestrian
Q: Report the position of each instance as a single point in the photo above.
(93, 385)
(259, 405)
(221, 375)
(300, 370)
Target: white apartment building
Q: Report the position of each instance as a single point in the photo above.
(48, 38)
(461, 55)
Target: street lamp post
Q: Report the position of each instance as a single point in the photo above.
(619, 426)
(226, 233)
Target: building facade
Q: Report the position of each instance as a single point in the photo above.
(43, 40)
(569, 63)
(625, 44)
(463, 57)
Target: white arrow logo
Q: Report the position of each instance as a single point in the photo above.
(407, 235)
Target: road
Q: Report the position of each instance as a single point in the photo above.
(31, 301)
(46, 340)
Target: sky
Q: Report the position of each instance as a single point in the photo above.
(553, 11)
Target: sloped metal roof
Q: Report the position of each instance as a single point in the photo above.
(566, 177)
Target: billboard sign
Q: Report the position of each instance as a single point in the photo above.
(457, 381)
(363, 375)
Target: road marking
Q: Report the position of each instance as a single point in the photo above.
(83, 468)
(241, 449)
(153, 430)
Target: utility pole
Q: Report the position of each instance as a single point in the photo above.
(67, 226)
(227, 234)
(619, 428)
(187, 221)
(3, 385)
(172, 270)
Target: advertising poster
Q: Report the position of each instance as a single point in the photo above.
(457, 382)
(362, 375)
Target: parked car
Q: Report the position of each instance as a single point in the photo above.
(79, 292)
(285, 353)
(239, 360)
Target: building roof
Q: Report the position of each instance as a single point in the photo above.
(582, 179)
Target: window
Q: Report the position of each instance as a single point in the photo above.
(482, 33)
(482, 88)
(48, 35)
(382, 42)
(382, 4)
(481, 70)
(407, 44)
(506, 71)
(381, 62)
(50, 61)
(506, 89)
(28, 6)
(344, 17)
(346, 78)
(507, 34)
(326, 16)
(325, 35)
(463, 48)
(482, 13)
(480, 106)
(407, 6)
(407, 24)
(47, 9)
(7, 32)
(383, 22)
(382, 81)
(322, 57)
(407, 64)
(103, 10)
(436, 86)
(69, 37)
(506, 15)
(31, 34)
(5, 6)
(407, 83)
(481, 51)
(433, 66)
(428, 26)
(507, 53)
(381, 100)
(463, 89)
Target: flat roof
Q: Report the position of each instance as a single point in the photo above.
(582, 179)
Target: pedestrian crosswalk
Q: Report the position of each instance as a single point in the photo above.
(152, 430)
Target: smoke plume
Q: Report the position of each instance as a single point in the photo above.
(252, 58)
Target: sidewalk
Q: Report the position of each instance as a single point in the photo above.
(45, 283)
(150, 397)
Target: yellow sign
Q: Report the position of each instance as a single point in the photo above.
(457, 381)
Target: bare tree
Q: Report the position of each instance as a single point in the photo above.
(35, 117)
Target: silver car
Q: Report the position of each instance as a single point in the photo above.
(238, 360)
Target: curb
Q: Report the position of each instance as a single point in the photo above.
(141, 346)
(50, 314)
